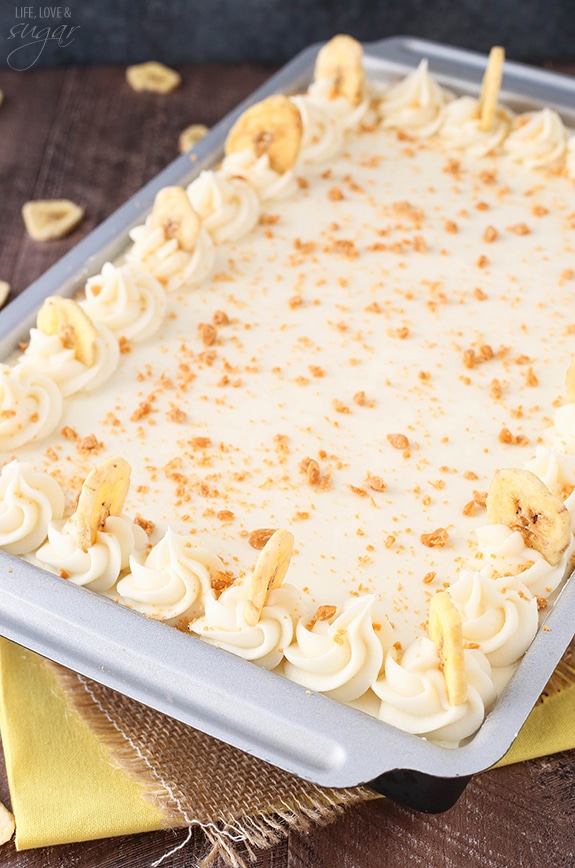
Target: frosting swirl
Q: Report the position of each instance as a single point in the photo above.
(460, 128)
(223, 623)
(29, 501)
(415, 105)
(570, 158)
(502, 553)
(342, 657)
(414, 698)
(323, 136)
(269, 184)
(99, 567)
(174, 268)
(127, 300)
(538, 140)
(47, 354)
(171, 581)
(499, 617)
(562, 433)
(338, 107)
(30, 405)
(229, 208)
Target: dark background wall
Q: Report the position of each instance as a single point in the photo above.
(188, 31)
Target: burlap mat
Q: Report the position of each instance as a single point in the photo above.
(241, 803)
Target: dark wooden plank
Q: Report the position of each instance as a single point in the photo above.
(522, 815)
(83, 134)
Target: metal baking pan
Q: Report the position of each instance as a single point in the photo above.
(236, 701)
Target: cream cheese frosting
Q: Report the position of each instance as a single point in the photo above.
(229, 206)
(30, 406)
(461, 129)
(29, 501)
(416, 104)
(174, 268)
(127, 300)
(47, 354)
(538, 139)
(353, 367)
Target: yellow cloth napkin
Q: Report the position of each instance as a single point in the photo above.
(64, 788)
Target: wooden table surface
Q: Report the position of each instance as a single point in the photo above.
(83, 134)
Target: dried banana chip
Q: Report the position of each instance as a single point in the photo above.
(490, 87)
(103, 494)
(570, 382)
(273, 127)
(173, 212)
(47, 219)
(520, 500)
(269, 572)
(446, 633)
(64, 317)
(4, 291)
(153, 76)
(341, 61)
(191, 136)
(7, 824)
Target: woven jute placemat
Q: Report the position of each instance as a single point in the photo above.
(240, 802)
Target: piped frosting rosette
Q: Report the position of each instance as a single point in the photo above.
(499, 617)
(172, 581)
(414, 698)
(323, 135)
(502, 553)
(93, 546)
(47, 354)
(462, 131)
(271, 186)
(228, 206)
(416, 105)
(557, 470)
(538, 140)
(99, 567)
(172, 245)
(342, 112)
(67, 346)
(31, 406)
(127, 300)
(224, 623)
(561, 434)
(254, 617)
(570, 157)
(29, 502)
(340, 655)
